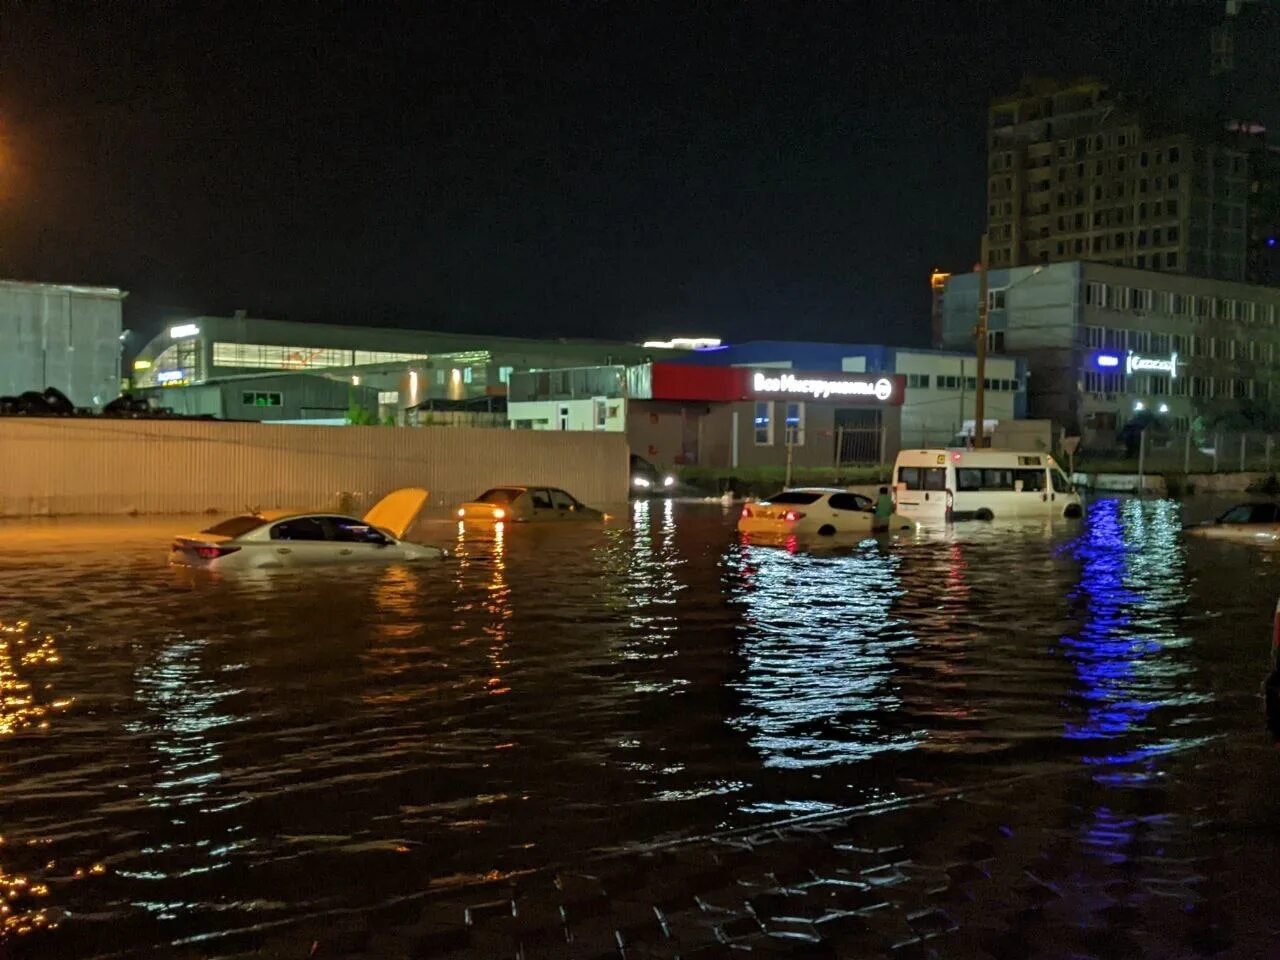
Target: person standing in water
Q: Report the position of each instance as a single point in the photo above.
(883, 510)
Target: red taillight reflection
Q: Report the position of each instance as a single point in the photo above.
(213, 553)
(791, 516)
(746, 511)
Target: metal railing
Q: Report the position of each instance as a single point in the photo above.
(1189, 452)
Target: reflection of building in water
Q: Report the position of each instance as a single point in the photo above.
(21, 652)
(818, 688)
(1131, 586)
(24, 905)
(184, 715)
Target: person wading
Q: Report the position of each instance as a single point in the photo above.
(884, 510)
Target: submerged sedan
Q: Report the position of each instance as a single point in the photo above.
(285, 539)
(1247, 521)
(824, 511)
(525, 505)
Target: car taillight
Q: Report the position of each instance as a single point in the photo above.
(462, 512)
(213, 553)
(746, 511)
(499, 513)
(791, 516)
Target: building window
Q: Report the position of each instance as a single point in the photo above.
(995, 299)
(918, 381)
(600, 407)
(995, 341)
(388, 397)
(795, 424)
(1173, 181)
(1170, 259)
(1093, 336)
(504, 374)
(260, 399)
(764, 423)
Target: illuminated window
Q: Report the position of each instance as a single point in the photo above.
(263, 356)
(388, 397)
(795, 424)
(764, 424)
(255, 399)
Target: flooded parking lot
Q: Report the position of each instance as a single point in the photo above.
(184, 756)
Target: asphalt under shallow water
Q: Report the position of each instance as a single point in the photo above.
(184, 755)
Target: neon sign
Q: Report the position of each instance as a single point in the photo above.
(183, 330)
(171, 376)
(881, 388)
(1135, 363)
(1107, 360)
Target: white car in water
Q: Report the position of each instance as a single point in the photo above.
(265, 540)
(1246, 521)
(824, 511)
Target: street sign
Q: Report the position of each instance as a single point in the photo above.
(1070, 445)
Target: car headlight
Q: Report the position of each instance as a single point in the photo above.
(668, 481)
(640, 481)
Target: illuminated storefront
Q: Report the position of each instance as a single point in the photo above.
(721, 416)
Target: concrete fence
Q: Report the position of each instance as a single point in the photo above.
(56, 467)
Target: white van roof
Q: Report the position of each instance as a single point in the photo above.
(939, 457)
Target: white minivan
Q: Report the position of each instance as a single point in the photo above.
(933, 485)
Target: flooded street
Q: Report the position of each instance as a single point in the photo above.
(185, 756)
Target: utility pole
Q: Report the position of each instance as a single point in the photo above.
(979, 398)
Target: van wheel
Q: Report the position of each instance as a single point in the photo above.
(1073, 512)
(826, 530)
(984, 514)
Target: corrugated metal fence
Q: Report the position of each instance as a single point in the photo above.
(54, 467)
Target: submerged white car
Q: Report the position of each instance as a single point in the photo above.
(824, 511)
(285, 539)
(1247, 521)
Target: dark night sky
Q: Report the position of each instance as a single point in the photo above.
(744, 170)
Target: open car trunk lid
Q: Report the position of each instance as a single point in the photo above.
(396, 511)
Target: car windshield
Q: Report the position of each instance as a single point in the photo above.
(795, 496)
(499, 495)
(1240, 514)
(235, 526)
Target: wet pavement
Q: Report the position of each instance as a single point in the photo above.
(1034, 740)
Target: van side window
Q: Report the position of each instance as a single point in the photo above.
(1060, 482)
(1031, 479)
(923, 478)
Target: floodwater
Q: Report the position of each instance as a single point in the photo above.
(183, 756)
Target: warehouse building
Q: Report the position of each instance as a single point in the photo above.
(63, 336)
(388, 372)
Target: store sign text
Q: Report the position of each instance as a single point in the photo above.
(881, 388)
(1134, 363)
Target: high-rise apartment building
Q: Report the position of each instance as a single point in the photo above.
(1074, 174)
(1241, 95)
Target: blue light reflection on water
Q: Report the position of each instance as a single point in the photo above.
(1132, 591)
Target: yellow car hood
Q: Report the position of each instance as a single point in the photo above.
(396, 511)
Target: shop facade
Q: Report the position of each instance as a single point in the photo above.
(722, 417)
